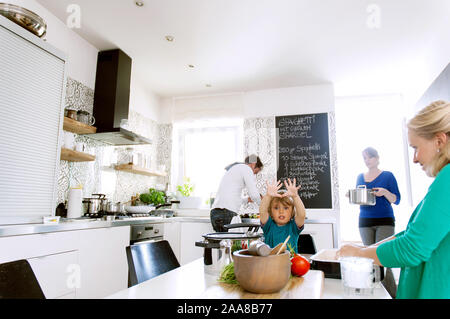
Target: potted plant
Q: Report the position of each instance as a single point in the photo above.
(186, 190)
(153, 197)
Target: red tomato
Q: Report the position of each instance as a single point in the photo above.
(300, 265)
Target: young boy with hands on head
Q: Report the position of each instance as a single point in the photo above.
(282, 214)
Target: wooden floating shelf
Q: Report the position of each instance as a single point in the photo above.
(130, 168)
(70, 125)
(74, 156)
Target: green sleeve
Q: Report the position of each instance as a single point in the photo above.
(428, 226)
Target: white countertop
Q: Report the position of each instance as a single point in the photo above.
(190, 282)
(181, 215)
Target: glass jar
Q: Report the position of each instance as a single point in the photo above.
(125, 156)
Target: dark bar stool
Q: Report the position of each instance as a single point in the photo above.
(17, 281)
(306, 244)
(148, 260)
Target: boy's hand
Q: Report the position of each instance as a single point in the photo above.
(272, 189)
(291, 189)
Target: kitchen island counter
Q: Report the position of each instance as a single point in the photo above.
(191, 282)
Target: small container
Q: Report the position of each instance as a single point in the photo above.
(358, 275)
(85, 117)
(51, 219)
(72, 114)
(75, 206)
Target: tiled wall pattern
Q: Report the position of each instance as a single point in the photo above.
(99, 176)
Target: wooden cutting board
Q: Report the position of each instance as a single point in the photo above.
(310, 286)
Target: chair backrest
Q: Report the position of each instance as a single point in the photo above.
(148, 260)
(17, 281)
(306, 244)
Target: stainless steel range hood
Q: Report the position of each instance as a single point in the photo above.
(112, 98)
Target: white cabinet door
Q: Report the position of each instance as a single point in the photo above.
(190, 233)
(57, 274)
(172, 235)
(103, 261)
(322, 235)
(31, 106)
(93, 261)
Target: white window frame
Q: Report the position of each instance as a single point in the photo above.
(183, 129)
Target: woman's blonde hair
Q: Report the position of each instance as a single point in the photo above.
(433, 119)
(286, 201)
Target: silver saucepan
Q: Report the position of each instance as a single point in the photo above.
(362, 196)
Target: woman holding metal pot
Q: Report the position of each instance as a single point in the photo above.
(377, 222)
(422, 251)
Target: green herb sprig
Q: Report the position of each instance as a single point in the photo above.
(227, 276)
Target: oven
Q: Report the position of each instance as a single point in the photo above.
(144, 233)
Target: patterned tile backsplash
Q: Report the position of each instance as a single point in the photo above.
(99, 176)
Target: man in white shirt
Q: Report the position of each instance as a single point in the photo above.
(229, 196)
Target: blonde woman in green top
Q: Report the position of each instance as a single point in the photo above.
(422, 251)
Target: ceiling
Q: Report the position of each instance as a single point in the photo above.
(238, 46)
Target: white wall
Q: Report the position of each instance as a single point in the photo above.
(273, 102)
(144, 101)
(286, 101)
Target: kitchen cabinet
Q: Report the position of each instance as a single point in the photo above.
(56, 273)
(172, 235)
(190, 232)
(103, 261)
(322, 234)
(88, 263)
(32, 85)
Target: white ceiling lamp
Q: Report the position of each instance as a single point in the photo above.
(169, 38)
(208, 85)
(139, 3)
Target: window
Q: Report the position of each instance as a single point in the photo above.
(203, 152)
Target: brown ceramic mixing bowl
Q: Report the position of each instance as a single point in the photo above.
(260, 274)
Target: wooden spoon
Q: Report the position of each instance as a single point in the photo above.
(280, 248)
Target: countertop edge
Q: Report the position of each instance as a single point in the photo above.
(30, 229)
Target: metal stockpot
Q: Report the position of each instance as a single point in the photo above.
(94, 205)
(362, 196)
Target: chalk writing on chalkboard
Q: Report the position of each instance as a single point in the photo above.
(303, 154)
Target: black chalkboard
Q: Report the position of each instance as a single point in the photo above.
(303, 153)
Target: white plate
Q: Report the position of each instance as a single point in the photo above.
(139, 209)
